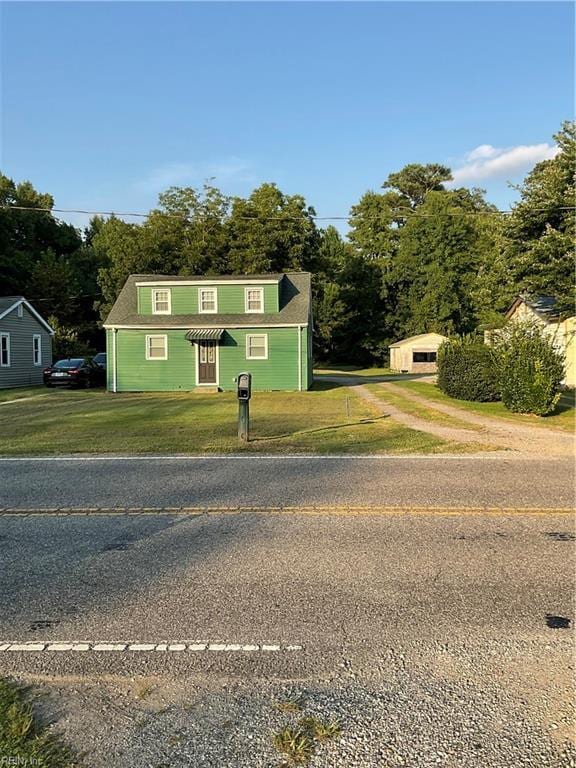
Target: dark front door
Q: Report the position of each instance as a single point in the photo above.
(207, 362)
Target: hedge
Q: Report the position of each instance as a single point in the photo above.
(529, 369)
(466, 370)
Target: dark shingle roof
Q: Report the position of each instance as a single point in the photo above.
(295, 296)
(546, 307)
(7, 301)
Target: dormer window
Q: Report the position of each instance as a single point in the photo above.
(161, 301)
(254, 300)
(207, 300)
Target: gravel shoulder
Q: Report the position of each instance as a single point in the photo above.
(488, 706)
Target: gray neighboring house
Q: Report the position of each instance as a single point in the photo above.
(25, 343)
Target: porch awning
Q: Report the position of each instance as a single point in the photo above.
(204, 334)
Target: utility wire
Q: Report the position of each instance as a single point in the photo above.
(397, 211)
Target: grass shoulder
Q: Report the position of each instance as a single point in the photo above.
(23, 739)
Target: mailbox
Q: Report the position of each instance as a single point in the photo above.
(244, 386)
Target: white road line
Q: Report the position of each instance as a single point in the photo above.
(109, 647)
(73, 646)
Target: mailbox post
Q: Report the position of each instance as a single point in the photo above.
(244, 393)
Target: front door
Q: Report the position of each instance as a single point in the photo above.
(207, 362)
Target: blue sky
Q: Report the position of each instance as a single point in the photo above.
(105, 104)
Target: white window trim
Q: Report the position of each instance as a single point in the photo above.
(20, 310)
(156, 336)
(9, 363)
(246, 308)
(251, 336)
(39, 337)
(207, 311)
(161, 311)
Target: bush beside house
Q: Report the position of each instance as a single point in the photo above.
(522, 367)
(466, 370)
(529, 369)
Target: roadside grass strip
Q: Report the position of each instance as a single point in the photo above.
(24, 740)
(61, 646)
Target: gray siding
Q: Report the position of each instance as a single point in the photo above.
(22, 371)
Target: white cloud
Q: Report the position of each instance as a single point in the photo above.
(487, 162)
(483, 152)
(195, 174)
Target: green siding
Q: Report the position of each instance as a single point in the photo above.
(278, 372)
(135, 373)
(231, 299)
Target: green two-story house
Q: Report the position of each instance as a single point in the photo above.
(168, 333)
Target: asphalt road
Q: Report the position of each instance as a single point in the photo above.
(427, 635)
(332, 584)
(493, 481)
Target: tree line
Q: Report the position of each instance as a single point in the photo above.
(419, 256)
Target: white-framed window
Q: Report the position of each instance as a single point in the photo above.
(37, 349)
(5, 350)
(20, 310)
(161, 301)
(157, 347)
(257, 346)
(207, 300)
(254, 300)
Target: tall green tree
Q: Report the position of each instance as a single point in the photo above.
(188, 232)
(331, 314)
(26, 234)
(415, 181)
(440, 251)
(118, 244)
(541, 228)
(272, 232)
(374, 224)
(53, 286)
(376, 220)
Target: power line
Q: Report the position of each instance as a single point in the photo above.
(76, 296)
(402, 211)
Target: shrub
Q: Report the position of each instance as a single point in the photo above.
(529, 369)
(466, 369)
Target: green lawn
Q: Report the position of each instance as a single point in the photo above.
(328, 419)
(351, 370)
(562, 418)
(6, 395)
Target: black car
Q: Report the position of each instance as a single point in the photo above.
(74, 372)
(100, 359)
